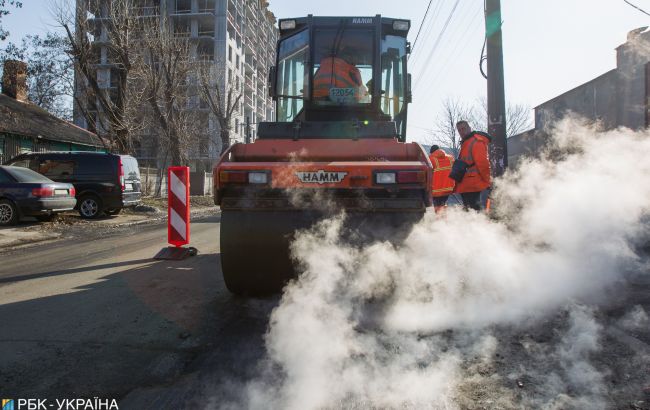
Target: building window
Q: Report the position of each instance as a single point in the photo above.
(230, 53)
(237, 61)
(183, 6)
(206, 6)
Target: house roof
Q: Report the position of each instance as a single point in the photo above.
(28, 119)
(576, 88)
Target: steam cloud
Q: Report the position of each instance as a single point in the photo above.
(421, 324)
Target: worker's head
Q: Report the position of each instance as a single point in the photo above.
(463, 128)
(433, 149)
(347, 53)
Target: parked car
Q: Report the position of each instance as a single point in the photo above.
(24, 192)
(105, 183)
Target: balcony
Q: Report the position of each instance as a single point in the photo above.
(206, 34)
(183, 9)
(206, 6)
(206, 29)
(249, 101)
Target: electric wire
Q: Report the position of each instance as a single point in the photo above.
(442, 72)
(428, 26)
(437, 42)
(483, 59)
(420, 28)
(638, 8)
(463, 41)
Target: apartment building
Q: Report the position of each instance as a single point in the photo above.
(237, 36)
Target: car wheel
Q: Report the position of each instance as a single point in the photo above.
(45, 218)
(90, 207)
(8, 213)
(111, 212)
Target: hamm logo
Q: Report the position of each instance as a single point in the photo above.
(320, 177)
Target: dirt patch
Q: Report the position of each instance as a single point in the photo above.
(151, 210)
(195, 202)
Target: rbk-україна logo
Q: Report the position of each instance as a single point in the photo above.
(60, 404)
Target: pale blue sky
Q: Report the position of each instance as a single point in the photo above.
(550, 46)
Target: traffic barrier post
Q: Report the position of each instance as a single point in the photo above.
(178, 215)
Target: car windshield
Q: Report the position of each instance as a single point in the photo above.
(26, 175)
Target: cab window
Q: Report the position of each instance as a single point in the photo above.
(342, 71)
(393, 80)
(291, 74)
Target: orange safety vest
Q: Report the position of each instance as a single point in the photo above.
(335, 72)
(474, 151)
(442, 184)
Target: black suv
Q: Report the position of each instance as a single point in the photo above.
(105, 183)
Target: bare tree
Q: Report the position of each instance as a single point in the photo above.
(222, 99)
(444, 132)
(518, 117)
(3, 12)
(115, 23)
(453, 110)
(50, 73)
(167, 66)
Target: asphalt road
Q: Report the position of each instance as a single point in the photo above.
(93, 315)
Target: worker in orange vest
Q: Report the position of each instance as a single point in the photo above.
(336, 72)
(476, 163)
(443, 186)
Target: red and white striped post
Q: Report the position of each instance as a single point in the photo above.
(178, 210)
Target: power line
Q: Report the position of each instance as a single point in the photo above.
(428, 25)
(437, 42)
(421, 24)
(442, 72)
(462, 43)
(638, 8)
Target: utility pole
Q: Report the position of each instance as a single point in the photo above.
(496, 99)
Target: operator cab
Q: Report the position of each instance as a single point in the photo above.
(340, 77)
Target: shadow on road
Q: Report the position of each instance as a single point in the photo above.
(107, 335)
(19, 278)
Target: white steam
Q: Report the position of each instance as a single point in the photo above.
(419, 324)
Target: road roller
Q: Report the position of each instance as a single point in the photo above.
(338, 145)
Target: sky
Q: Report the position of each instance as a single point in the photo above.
(550, 46)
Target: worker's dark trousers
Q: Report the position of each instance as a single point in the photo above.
(472, 200)
(440, 200)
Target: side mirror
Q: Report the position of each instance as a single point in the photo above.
(271, 82)
(409, 96)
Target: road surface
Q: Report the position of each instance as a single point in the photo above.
(94, 315)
